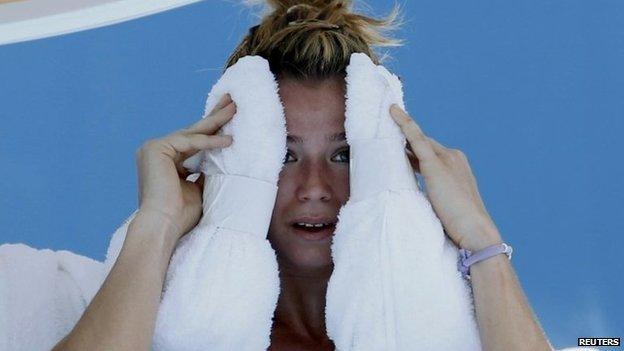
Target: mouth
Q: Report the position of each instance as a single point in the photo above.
(314, 228)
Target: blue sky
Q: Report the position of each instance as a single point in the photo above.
(531, 91)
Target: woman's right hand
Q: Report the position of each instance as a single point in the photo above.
(164, 191)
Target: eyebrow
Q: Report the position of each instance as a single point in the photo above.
(334, 137)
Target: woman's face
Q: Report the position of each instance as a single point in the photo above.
(314, 181)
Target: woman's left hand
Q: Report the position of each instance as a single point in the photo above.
(451, 187)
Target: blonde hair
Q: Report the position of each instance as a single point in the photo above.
(314, 38)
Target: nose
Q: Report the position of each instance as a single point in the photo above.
(314, 184)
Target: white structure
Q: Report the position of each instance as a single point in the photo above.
(22, 20)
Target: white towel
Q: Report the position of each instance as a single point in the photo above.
(395, 284)
(222, 284)
(43, 293)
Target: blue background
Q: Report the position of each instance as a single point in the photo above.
(531, 91)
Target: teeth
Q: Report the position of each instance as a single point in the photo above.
(310, 225)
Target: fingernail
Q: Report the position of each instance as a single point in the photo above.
(393, 111)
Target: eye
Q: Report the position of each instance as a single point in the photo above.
(289, 157)
(341, 156)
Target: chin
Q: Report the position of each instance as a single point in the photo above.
(305, 257)
(312, 261)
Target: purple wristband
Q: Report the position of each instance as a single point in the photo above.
(467, 257)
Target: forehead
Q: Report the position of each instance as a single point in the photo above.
(313, 107)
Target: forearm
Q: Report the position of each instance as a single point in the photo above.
(122, 314)
(504, 316)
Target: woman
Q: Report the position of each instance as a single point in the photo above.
(308, 45)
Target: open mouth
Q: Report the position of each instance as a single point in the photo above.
(314, 231)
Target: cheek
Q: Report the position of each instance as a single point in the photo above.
(285, 191)
(287, 180)
(286, 186)
(340, 180)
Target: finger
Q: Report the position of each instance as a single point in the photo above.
(188, 145)
(203, 142)
(437, 147)
(414, 135)
(210, 124)
(224, 101)
(191, 143)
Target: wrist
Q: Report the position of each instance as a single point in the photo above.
(154, 228)
(480, 238)
(156, 214)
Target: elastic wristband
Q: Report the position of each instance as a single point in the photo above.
(468, 258)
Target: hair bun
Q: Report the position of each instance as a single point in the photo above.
(285, 4)
(314, 37)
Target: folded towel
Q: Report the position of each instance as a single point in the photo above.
(222, 284)
(395, 284)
